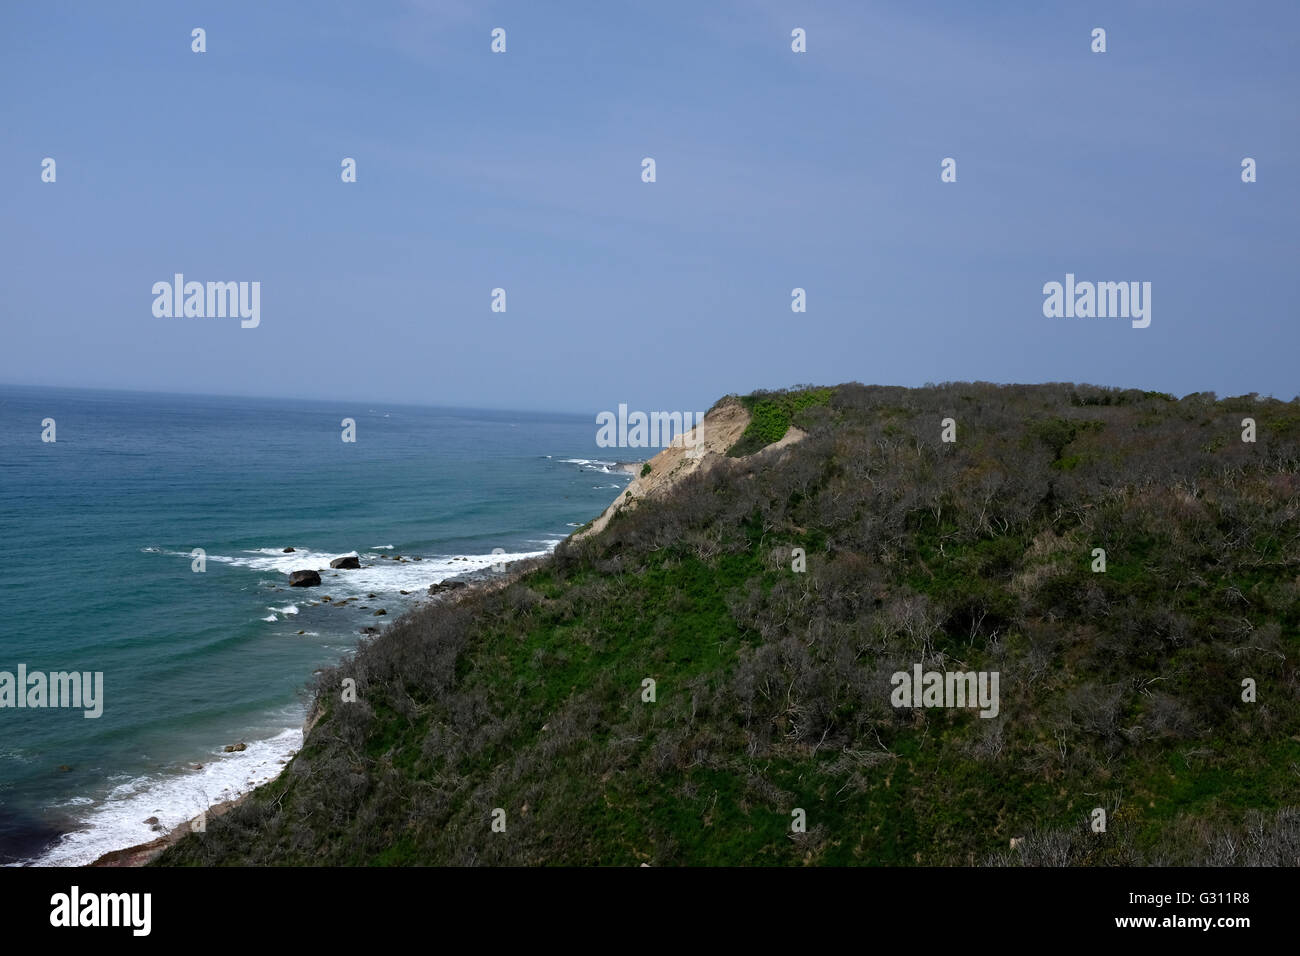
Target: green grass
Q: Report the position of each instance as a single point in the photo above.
(772, 414)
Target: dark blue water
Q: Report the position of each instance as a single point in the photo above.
(98, 528)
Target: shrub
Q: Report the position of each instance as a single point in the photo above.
(772, 413)
(774, 686)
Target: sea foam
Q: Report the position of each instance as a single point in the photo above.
(115, 820)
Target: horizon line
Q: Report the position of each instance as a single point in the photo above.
(293, 398)
(558, 411)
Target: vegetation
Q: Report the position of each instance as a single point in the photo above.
(645, 469)
(772, 414)
(1120, 689)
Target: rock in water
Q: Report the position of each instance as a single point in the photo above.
(304, 579)
(287, 551)
(349, 563)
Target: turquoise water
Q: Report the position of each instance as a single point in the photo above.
(98, 529)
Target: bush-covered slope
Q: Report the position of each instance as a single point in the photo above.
(1119, 689)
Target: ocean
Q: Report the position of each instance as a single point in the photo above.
(98, 530)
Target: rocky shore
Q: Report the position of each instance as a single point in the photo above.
(448, 590)
(143, 853)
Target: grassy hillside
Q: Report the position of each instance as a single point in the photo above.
(1119, 689)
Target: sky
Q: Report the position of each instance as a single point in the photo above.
(522, 170)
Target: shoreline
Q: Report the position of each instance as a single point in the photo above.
(148, 809)
(669, 466)
(473, 581)
(142, 854)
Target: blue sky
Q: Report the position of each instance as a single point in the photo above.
(523, 171)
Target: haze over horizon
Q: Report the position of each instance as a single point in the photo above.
(522, 170)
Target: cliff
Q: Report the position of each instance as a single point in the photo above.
(701, 449)
(712, 675)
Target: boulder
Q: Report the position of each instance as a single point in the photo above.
(445, 586)
(288, 551)
(349, 563)
(304, 579)
(235, 748)
(380, 611)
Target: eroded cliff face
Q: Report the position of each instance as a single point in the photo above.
(702, 448)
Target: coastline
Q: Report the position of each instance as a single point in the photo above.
(197, 662)
(669, 466)
(141, 854)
